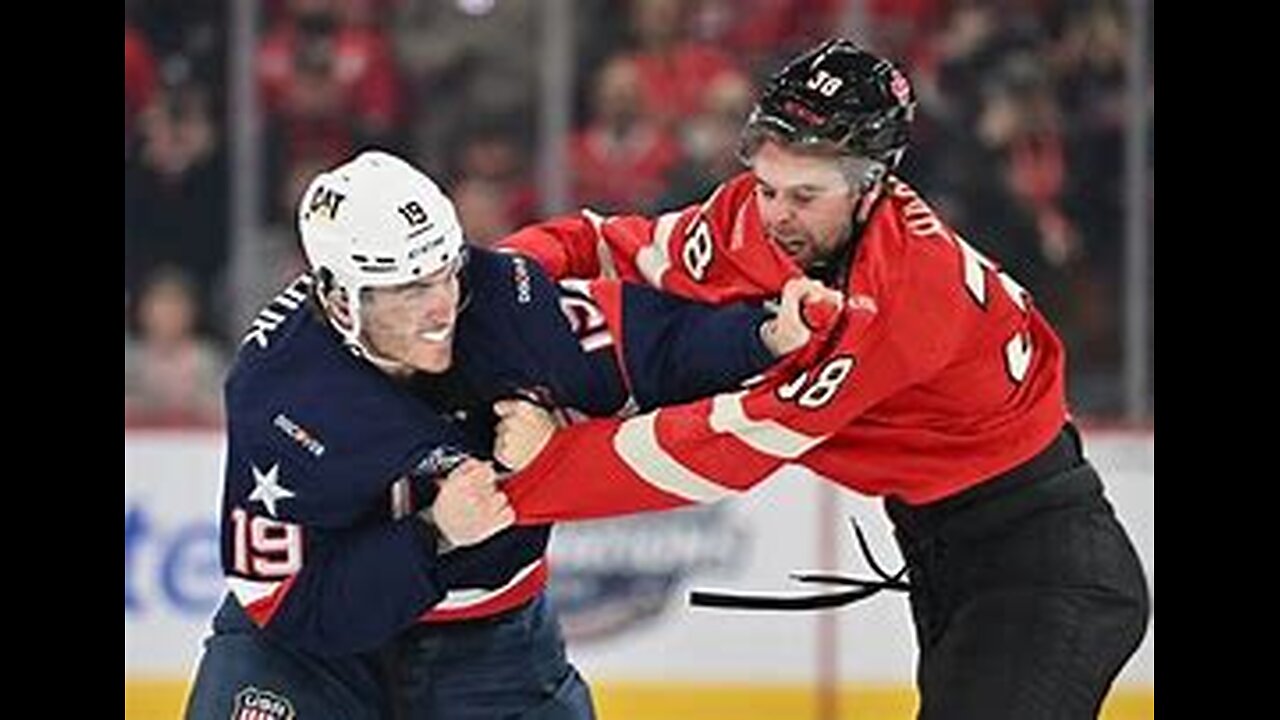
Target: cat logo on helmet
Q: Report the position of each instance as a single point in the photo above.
(325, 199)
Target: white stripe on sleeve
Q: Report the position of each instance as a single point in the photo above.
(608, 268)
(654, 259)
(764, 436)
(637, 444)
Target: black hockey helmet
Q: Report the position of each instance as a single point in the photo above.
(839, 94)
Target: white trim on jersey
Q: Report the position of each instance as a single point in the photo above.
(654, 260)
(637, 444)
(470, 597)
(710, 202)
(249, 592)
(765, 436)
(608, 268)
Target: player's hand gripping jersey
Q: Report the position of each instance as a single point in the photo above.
(938, 374)
(328, 459)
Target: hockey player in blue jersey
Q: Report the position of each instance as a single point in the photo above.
(372, 567)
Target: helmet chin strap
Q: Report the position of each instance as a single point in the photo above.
(383, 363)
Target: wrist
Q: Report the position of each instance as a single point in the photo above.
(427, 517)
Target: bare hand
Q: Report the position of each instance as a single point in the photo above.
(524, 429)
(469, 507)
(805, 303)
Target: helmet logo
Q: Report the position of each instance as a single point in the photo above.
(899, 86)
(795, 109)
(426, 247)
(824, 83)
(325, 199)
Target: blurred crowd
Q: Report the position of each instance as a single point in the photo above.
(1019, 141)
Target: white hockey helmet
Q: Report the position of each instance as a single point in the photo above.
(376, 221)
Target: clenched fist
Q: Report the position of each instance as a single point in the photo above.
(523, 430)
(469, 507)
(806, 305)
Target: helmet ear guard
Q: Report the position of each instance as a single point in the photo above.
(325, 283)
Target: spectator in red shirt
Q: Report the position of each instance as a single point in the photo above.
(674, 71)
(327, 86)
(622, 158)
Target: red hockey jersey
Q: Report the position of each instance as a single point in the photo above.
(938, 374)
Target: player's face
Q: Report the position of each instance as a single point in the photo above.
(413, 323)
(805, 202)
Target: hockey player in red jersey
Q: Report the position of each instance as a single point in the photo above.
(939, 387)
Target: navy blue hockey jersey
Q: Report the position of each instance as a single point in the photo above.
(328, 458)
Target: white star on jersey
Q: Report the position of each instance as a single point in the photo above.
(268, 488)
